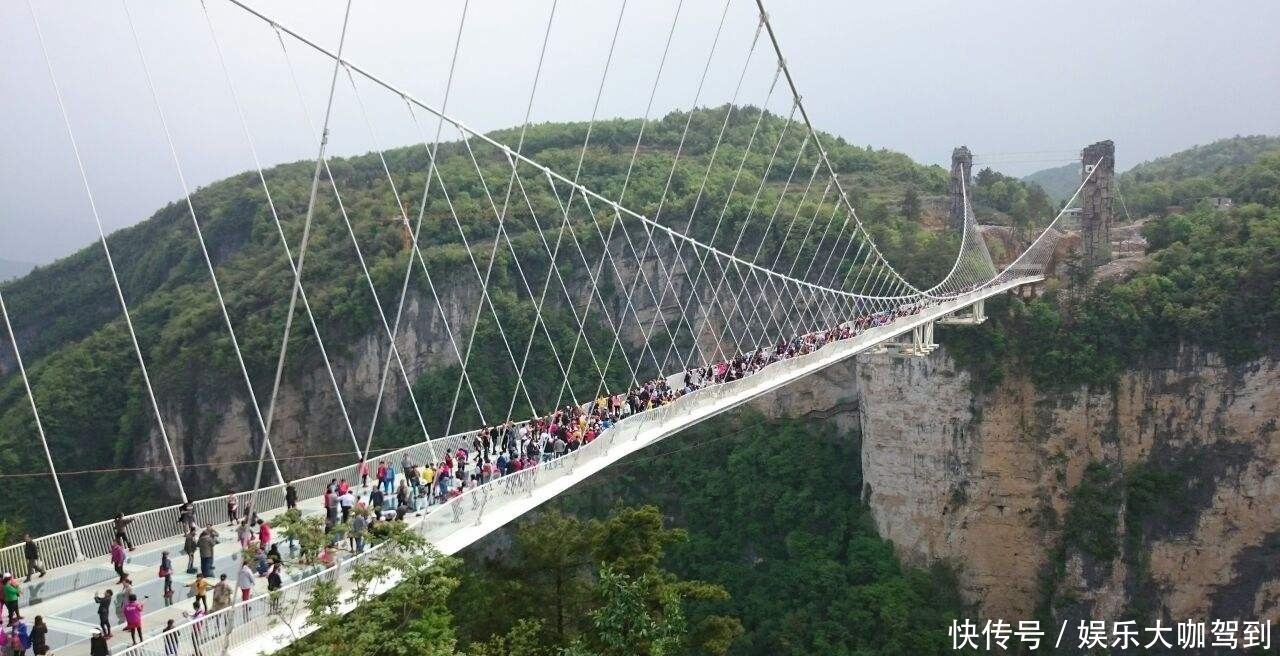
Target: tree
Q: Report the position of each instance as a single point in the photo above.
(410, 619)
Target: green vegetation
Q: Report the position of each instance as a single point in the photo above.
(1245, 169)
(1026, 204)
(593, 589)
(774, 514)
(1211, 283)
(1155, 498)
(1059, 182)
(763, 547)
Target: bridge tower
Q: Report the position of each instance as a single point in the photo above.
(1095, 203)
(961, 169)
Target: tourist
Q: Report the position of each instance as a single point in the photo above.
(260, 562)
(189, 547)
(187, 516)
(244, 533)
(12, 593)
(358, 527)
(98, 644)
(200, 590)
(205, 543)
(166, 573)
(104, 611)
(245, 581)
(233, 509)
(274, 583)
(197, 623)
(264, 534)
(170, 639)
(31, 551)
(39, 636)
(222, 594)
(19, 637)
(347, 501)
(118, 556)
(126, 588)
(119, 524)
(133, 618)
(388, 479)
(290, 496)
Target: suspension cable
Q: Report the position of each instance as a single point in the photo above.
(106, 249)
(44, 441)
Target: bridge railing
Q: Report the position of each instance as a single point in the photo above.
(58, 549)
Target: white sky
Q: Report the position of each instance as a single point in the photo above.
(919, 77)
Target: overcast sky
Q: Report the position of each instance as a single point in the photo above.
(1005, 78)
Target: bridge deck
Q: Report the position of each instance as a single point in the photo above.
(65, 597)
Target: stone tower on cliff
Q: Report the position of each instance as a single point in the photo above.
(961, 169)
(1095, 203)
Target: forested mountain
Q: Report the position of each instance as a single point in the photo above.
(1211, 280)
(1059, 182)
(1245, 169)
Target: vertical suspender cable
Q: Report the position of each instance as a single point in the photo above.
(284, 240)
(204, 249)
(102, 237)
(302, 255)
(44, 441)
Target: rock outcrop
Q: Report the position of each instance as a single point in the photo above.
(983, 481)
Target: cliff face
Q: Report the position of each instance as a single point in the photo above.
(219, 425)
(984, 482)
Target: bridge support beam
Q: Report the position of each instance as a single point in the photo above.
(977, 313)
(918, 341)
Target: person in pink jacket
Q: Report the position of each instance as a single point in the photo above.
(118, 555)
(133, 618)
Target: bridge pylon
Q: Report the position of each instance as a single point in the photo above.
(1095, 203)
(961, 171)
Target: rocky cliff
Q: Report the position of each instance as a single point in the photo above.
(1182, 452)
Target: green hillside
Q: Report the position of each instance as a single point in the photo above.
(1059, 182)
(1241, 168)
(1213, 279)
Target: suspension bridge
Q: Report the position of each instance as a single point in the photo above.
(700, 315)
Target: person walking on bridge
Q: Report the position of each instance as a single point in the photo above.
(31, 551)
(166, 573)
(187, 516)
(222, 594)
(189, 547)
(118, 557)
(244, 581)
(133, 618)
